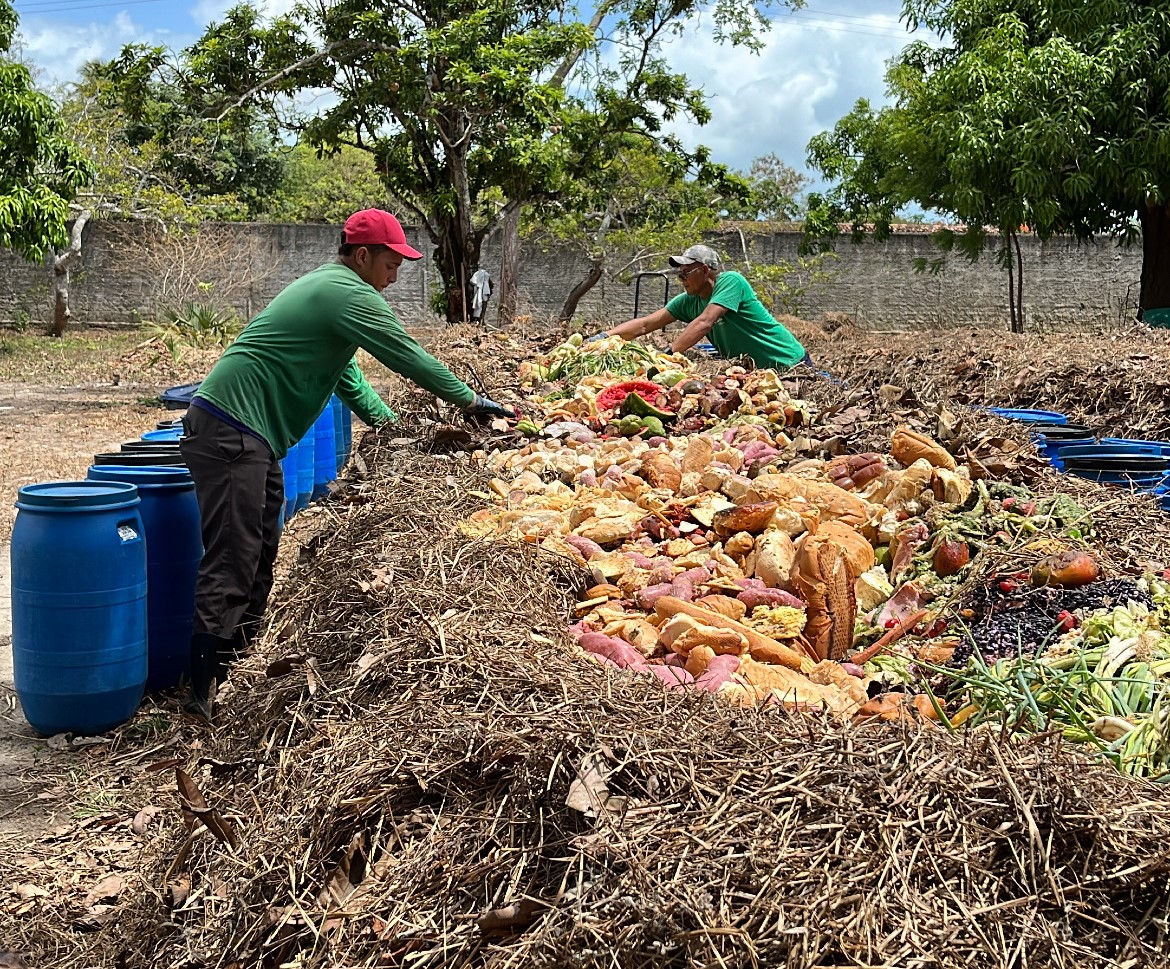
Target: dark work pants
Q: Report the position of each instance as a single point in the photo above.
(240, 489)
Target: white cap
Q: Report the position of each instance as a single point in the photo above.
(704, 254)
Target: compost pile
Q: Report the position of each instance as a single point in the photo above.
(1117, 381)
(423, 766)
(419, 772)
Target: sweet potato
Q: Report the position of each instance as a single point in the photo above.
(585, 546)
(613, 649)
(686, 584)
(761, 647)
(719, 672)
(647, 598)
(672, 677)
(768, 597)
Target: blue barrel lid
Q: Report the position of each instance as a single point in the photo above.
(151, 476)
(77, 495)
(163, 434)
(1030, 416)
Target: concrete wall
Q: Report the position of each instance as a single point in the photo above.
(120, 276)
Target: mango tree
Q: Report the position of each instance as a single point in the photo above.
(1048, 114)
(41, 173)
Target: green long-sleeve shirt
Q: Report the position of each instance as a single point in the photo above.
(279, 374)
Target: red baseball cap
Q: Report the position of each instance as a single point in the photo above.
(373, 227)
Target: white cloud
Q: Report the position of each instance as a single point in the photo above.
(812, 69)
(60, 49)
(207, 12)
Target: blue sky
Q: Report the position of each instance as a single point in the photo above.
(815, 63)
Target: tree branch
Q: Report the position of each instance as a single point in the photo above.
(303, 62)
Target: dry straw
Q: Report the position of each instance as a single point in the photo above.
(417, 770)
(395, 772)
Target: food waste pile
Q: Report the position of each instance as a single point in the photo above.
(729, 551)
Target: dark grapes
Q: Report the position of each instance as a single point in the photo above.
(1007, 618)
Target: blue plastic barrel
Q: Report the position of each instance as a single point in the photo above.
(288, 465)
(347, 429)
(174, 548)
(1113, 448)
(150, 447)
(1030, 416)
(339, 452)
(79, 650)
(179, 398)
(1148, 447)
(324, 458)
(156, 458)
(305, 467)
(163, 434)
(1137, 480)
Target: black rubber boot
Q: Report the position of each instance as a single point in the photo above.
(205, 650)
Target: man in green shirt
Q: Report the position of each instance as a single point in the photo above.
(263, 395)
(720, 305)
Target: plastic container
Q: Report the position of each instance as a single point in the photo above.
(1123, 464)
(164, 425)
(1049, 438)
(163, 434)
(324, 457)
(165, 446)
(179, 397)
(341, 454)
(1030, 416)
(79, 619)
(1148, 447)
(305, 467)
(141, 459)
(1136, 481)
(1109, 448)
(288, 465)
(174, 549)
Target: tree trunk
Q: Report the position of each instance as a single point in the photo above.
(509, 266)
(456, 258)
(60, 263)
(583, 287)
(1011, 283)
(1019, 280)
(1155, 286)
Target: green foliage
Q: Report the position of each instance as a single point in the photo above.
(782, 286)
(42, 170)
(776, 189)
(197, 326)
(1054, 114)
(638, 206)
(327, 187)
(461, 102)
(167, 147)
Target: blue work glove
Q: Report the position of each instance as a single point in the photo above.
(486, 407)
(596, 336)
